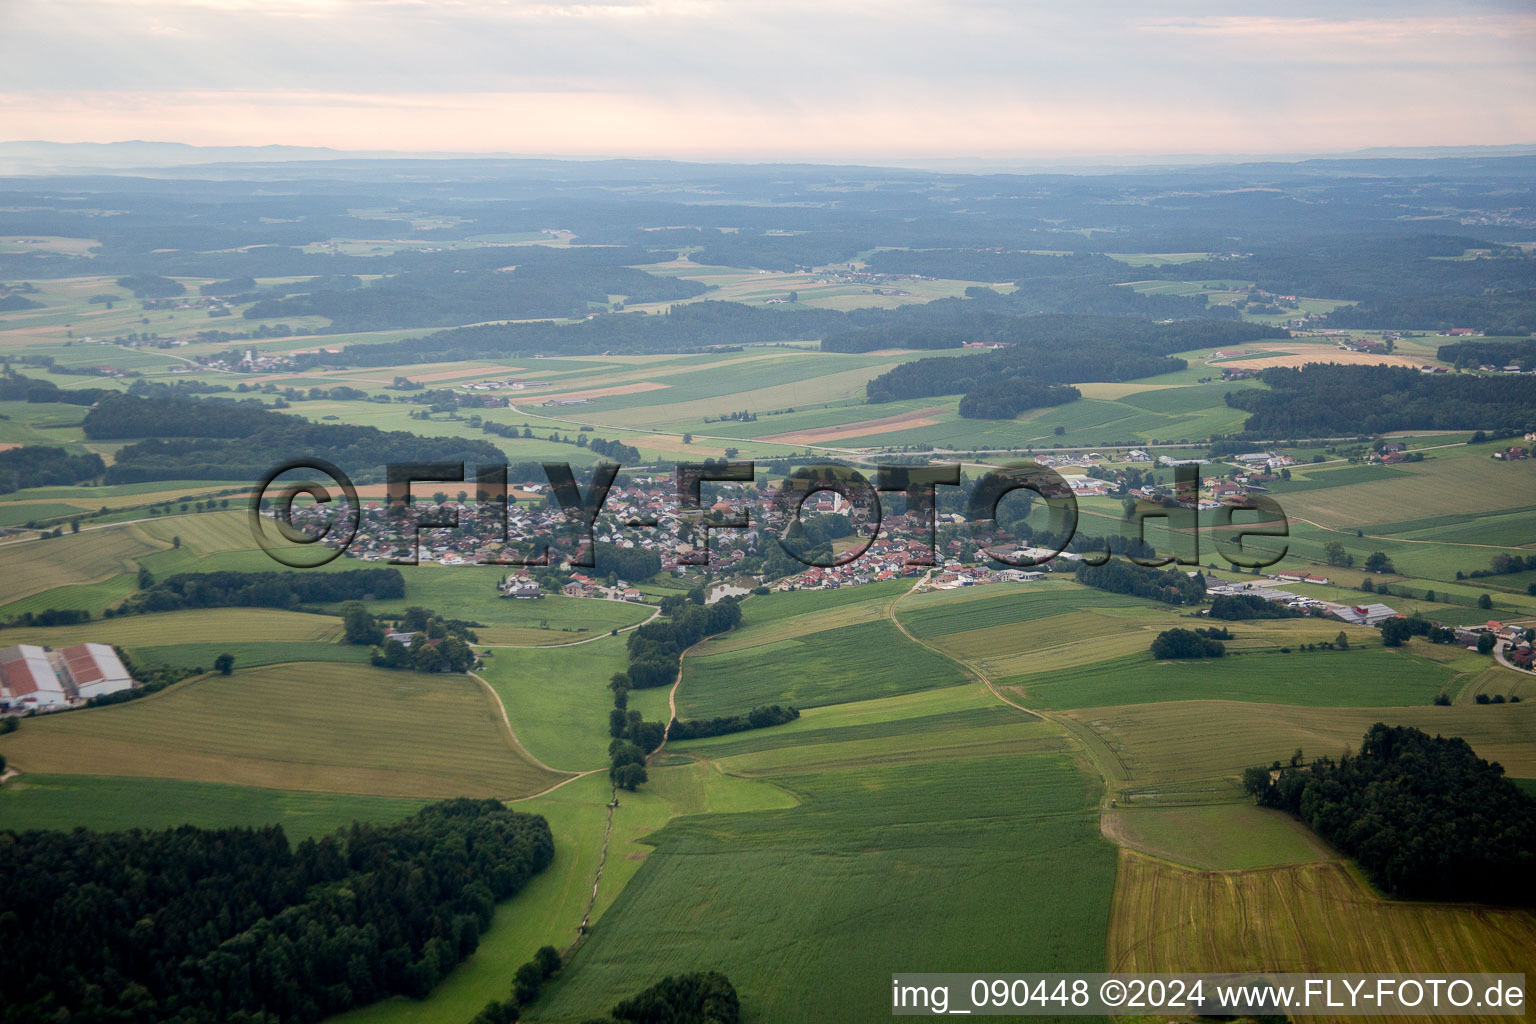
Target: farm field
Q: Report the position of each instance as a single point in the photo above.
(831, 666)
(314, 727)
(863, 892)
(558, 699)
(1217, 837)
(1311, 917)
(1194, 751)
(1369, 677)
(109, 803)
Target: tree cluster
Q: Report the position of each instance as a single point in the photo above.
(38, 466)
(1189, 643)
(1119, 576)
(213, 925)
(705, 997)
(759, 717)
(230, 589)
(1423, 816)
(218, 439)
(1334, 400)
(1237, 607)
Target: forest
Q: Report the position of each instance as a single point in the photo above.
(1422, 815)
(1331, 400)
(1042, 354)
(216, 439)
(1189, 643)
(540, 286)
(1119, 576)
(215, 925)
(230, 589)
(39, 466)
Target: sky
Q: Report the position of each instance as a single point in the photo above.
(774, 79)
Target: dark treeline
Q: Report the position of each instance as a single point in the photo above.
(1120, 576)
(542, 285)
(1424, 816)
(654, 648)
(1052, 350)
(214, 925)
(214, 439)
(16, 387)
(706, 997)
(655, 654)
(1077, 283)
(37, 466)
(1378, 269)
(1190, 643)
(871, 339)
(686, 327)
(1496, 313)
(759, 717)
(1471, 354)
(229, 589)
(1330, 400)
(1237, 607)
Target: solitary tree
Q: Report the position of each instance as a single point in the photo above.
(630, 776)
(224, 664)
(1341, 641)
(1484, 601)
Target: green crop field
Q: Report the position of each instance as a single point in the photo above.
(940, 613)
(106, 803)
(1370, 677)
(305, 726)
(1217, 837)
(806, 908)
(871, 659)
(1195, 751)
(558, 699)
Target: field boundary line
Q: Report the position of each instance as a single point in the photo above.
(512, 733)
(655, 611)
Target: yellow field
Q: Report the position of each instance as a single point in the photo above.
(1303, 918)
(33, 566)
(902, 421)
(1056, 641)
(303, 726)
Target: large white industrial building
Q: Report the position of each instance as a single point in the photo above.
(40, 678)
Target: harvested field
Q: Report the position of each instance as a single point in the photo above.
(608, 392)
(1310, 917)
(915, 418)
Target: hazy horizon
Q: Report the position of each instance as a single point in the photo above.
(700, 79)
